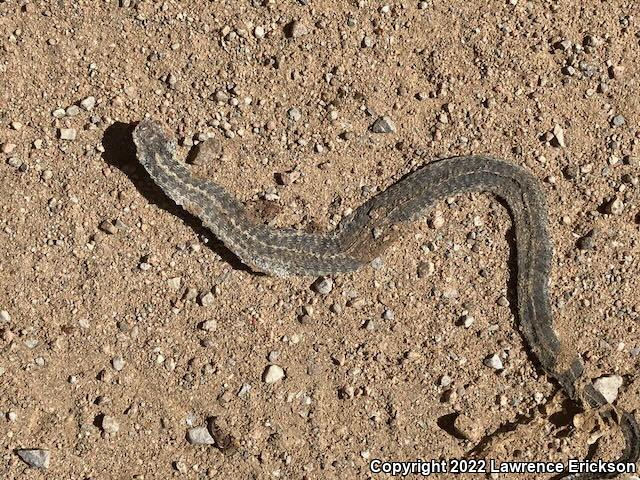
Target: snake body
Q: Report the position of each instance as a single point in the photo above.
(360, 236)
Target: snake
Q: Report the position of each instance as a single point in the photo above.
(365, 232)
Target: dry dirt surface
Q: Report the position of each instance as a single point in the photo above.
(128, 334)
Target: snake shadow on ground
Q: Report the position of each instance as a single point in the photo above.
(120, 152)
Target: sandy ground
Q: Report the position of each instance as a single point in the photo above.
(124, 323)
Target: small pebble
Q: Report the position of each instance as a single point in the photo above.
(118, 363)
(209, 325)
(35, 457)
(88, 103)
(586, 242)
(110, 424)
(608, 386)
(294, 114)
(295, 29)
(426, 269)
(4, 316)
(174, 283)
(259, 32)
(8, 148)
(618, 121)
(503, 302)
(383, 125)
(207, 299)
(494, 362)
(67, 133)
(273, 374)
(72, 111)
(615, 207)
(108, 227)
(558, 135)
(323, 286)
(468, 428)
(200, 436)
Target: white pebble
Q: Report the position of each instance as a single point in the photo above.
(88, 103)
(273, 374)
(68, 133)
(494, 362)
(118, 363)
(608, 386)
(200, 436)
(110, 424)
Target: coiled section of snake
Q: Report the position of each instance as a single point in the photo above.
(363, 234)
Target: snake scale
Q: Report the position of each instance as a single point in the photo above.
(361, 235)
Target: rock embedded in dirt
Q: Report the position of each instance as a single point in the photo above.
(468, 428)
(109, 424)
(35, 457)
(323, 285)
(615, 207)
(608, 386)
(558, 136)
(295, 29)
(383, 125)
(618, 121)
(200, 436)
(88, 103)
(273, 374)
(69, 134)
(494, 362)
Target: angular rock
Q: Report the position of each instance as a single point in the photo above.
(200, 436)
(608, 386)
(273, 374)
(35, 457)
(383, 125)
